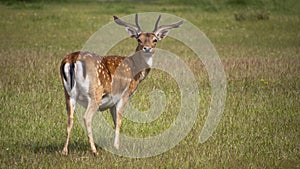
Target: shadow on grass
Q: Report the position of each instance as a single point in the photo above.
(49, 148)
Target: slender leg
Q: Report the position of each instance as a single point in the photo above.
(91, 109)
(119, 109)
(113, 112)
(70, 111)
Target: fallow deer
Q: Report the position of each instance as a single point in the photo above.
(107, 82)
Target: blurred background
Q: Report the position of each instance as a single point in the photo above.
(258, 42)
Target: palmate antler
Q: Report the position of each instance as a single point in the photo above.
(159, 31)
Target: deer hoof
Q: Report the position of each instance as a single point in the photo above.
(64, 152)
(95, 153)
(116, 145)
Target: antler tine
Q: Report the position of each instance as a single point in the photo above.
(156, 24)
(136, 27)
(137, 23)
(123, 23)
(166, 27)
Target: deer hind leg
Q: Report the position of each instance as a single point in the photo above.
(119, 108)
(70, 104)
(91, 109)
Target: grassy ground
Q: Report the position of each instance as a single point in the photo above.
(260, 126)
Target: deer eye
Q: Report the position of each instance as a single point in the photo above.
(139, 40)
(154, 40)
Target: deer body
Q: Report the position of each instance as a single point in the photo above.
(106, 82)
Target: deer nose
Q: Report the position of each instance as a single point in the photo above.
(147, 49)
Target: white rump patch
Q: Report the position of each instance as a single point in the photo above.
(79, 92)
(67, 81)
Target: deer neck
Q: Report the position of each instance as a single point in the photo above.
(140, 63)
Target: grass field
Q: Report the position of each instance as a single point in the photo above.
(261, 57)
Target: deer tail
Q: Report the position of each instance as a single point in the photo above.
(68, 71)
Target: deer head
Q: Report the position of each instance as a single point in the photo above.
(147, 41)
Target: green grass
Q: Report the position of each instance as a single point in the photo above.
(260, 125)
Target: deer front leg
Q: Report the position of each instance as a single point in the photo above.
(118, 119)
(91, 109)
(70, 110)
(113, 113)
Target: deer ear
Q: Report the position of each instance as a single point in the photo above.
(162, 31)
(132, 32)
(162, 34)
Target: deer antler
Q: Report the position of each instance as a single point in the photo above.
(166, 27)
(156, 23)
(137, 23)
(162, 31)
(135, 28)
